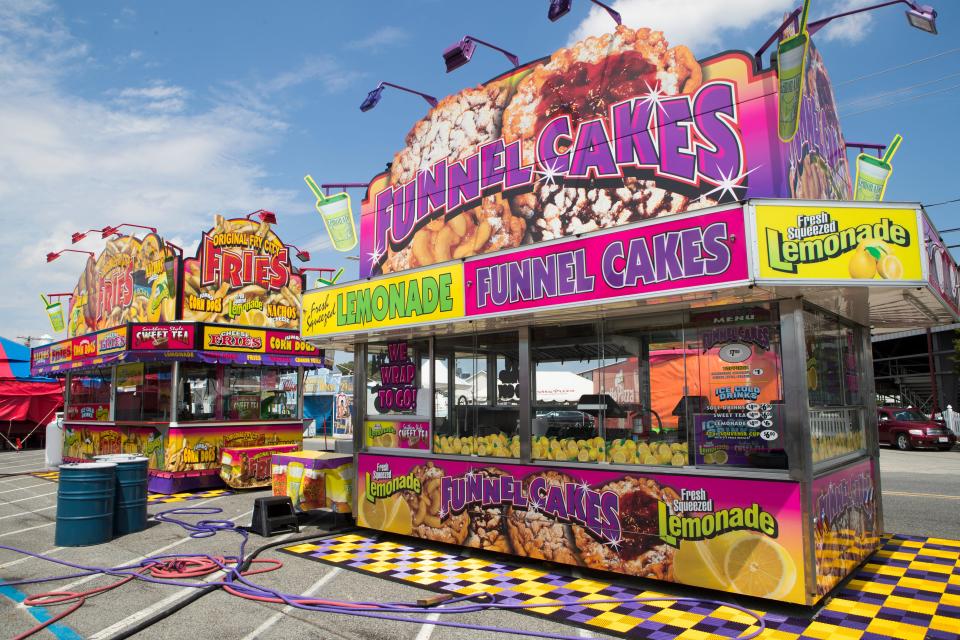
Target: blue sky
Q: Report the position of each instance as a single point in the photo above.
(165, 113)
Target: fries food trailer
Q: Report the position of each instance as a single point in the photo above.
(177, 359)
(646, 354)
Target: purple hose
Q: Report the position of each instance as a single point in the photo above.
(383, 610)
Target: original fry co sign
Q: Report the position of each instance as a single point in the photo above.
(242, 275)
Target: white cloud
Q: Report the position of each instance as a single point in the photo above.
(851, 29)
(156, 98)
(699, 24)
(69, 163)
(380, 39)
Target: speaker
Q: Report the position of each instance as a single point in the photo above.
(273, 515)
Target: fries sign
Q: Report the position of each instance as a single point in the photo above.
(242, 275)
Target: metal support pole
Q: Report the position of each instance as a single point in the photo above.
(525, 389)
(869, 401)
(796, 430)
(935, 392)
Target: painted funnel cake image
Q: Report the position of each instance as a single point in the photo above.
(640, 552)
(580, 82)
(453, 130)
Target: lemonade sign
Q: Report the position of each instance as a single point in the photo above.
(813, 242)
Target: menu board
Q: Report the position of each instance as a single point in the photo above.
(739, 414)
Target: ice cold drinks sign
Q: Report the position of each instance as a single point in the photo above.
(678, 254)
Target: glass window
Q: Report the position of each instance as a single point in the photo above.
(477, 399)
(90, 395)
(698, 388)
(833, 386)
(394, 379)
(142, 392)
(241, 393)
(197, 396)
(278, 394)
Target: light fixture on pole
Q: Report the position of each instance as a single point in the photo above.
(861, 146)
(263, 215)
(78, 236)
(374, 96)
(459, 54)
(53, 255)
(343, 185)
(560, 8)
(106, 232)
(174, 247)
(920, 16)
(302, 256)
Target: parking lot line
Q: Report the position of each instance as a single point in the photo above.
(42, 495)
(25, 558)
(427, 629)
(155, 552)
(272, 620)
(39, 526)
(32, 486)
(920, 495)
(131, 620)
(25, 511)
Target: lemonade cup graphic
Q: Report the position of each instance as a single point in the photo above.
(294, 480)
(873, 173)
(791, 56)
(337, 216)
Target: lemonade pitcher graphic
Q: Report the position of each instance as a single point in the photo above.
(337, 216)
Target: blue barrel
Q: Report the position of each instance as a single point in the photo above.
(85, 504)
(130, 502)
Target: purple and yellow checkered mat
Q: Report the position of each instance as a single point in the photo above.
(155, 498)
(909, 589)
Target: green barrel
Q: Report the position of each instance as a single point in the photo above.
(85, 504)
(130, 503)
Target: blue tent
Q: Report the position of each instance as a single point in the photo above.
(320, 408)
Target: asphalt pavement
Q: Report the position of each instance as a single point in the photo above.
(921, 492)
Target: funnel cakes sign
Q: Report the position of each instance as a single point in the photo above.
(610, 131)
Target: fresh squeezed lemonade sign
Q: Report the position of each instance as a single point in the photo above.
(741, 536)
(812, 242)
(424, 296)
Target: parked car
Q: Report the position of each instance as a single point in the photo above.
(908, 428)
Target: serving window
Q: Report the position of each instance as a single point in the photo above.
(477, 402)
(834, 396)
(215, 392)
(142, 391)
(90, 395)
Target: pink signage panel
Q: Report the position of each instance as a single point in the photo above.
(673, 255)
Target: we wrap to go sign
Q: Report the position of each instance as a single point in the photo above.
(423, 296)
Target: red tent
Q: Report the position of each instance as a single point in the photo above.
(25, 401)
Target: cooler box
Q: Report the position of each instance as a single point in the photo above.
(314, 480)
(249, 467)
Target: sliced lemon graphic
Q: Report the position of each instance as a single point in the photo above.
(389, 514)
(756, 565)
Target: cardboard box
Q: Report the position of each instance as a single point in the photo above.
(314, 479)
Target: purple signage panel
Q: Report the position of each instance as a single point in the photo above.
(673, 255)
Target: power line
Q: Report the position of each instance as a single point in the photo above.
(905, 100)
(937, 204)
(876, 96)
(897, 67)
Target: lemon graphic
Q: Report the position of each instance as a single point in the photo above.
(756, 565)
(720, 457)
(812, 380)
(387, 514)
(889, 267)
(863, 266)
(700, 563)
